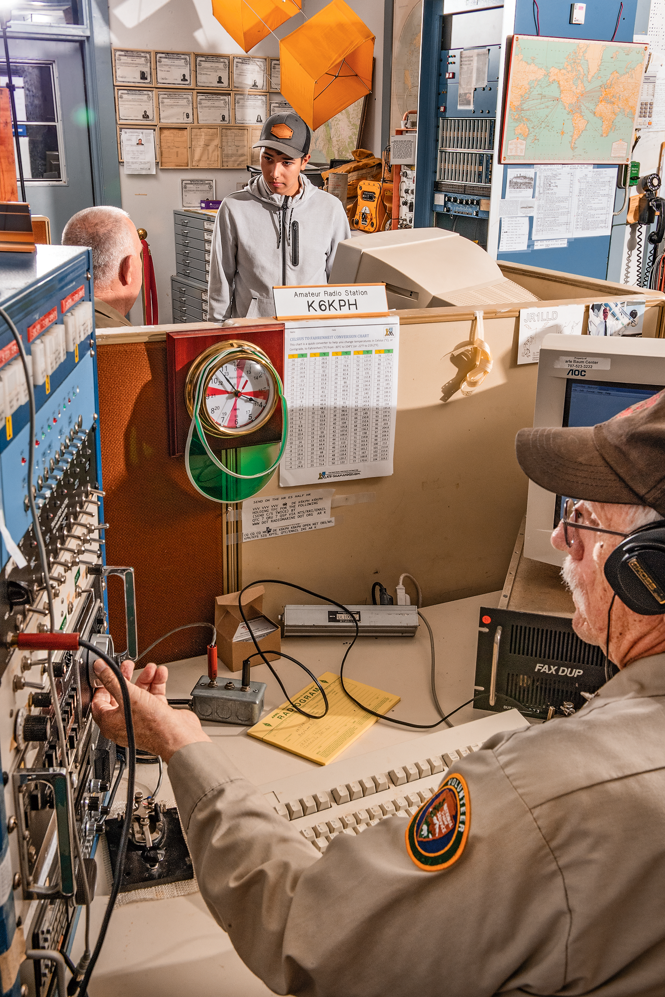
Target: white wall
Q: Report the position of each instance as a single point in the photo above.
(188, 25)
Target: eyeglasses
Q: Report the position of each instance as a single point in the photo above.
(570, 521)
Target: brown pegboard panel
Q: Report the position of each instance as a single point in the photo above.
(159, 525)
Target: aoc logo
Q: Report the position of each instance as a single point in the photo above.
(437, 834)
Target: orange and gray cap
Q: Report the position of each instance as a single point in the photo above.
(621, 460)
(285, 132)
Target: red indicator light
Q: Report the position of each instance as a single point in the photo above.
(36, 443)
(23, 460)
(54, 421)
(487, 619)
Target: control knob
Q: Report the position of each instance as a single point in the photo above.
(36, 727)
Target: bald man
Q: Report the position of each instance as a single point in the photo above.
(116, 260)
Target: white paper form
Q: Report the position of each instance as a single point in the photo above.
(514, 234)
(138, 149)
(594, 202)
(341, 391)
(536, 323)
(282, 515)
(554, 203)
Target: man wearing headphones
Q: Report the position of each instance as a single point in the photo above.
(538, 866)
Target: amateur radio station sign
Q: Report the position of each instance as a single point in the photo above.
(330, 301)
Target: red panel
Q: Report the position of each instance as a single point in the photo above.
(182, 348)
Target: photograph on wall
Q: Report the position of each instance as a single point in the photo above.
(136, 105)
(616, 318)
(213, 71)
(249, 74)
(173, 69)
(250, 108)
(195, 191)
(137, 149)
(132, 66)
(275, 75)
(213, 108)
(175, 108)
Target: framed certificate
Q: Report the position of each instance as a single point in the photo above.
(132, 67)
(204, 148)
(173, 148)
(250, 108)
(278, 105)
(175, 108)
(135, 105)
(235, 148)
(274, 75)
(195, 191)
(213, 71)
(213, 108)
(173, 69)
(249, 74)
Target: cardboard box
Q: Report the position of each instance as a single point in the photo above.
(227, 621)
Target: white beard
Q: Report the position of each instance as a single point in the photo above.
(581, 624)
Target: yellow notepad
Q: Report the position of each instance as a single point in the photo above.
(322, 740)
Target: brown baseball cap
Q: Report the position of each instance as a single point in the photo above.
(621, 460)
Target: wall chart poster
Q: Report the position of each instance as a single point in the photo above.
(213, 71)
(341, 390)
(589, 89)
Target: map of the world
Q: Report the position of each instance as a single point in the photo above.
(571, 101)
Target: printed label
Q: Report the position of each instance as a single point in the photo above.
(42, 323)
(580, 366)
(72, 298)
(8, 353)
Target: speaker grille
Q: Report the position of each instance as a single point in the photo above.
(553, 645)
(538, 692)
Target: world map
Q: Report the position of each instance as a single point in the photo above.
(571, 101)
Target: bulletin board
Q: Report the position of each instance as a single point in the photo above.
(206, 109)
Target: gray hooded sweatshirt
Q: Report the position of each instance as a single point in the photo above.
(263, 239)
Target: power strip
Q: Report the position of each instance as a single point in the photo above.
(330, 621)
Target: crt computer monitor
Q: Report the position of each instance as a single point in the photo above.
(425, 268)
(618, 372)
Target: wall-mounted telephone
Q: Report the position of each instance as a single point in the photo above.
(645, 209)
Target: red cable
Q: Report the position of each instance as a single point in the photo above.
(616, 26)
(149, 286)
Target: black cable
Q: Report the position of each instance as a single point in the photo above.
(608, 663)
(124, 835)
(372, 713)
(435, 695)
(616, 26)
(536, 16)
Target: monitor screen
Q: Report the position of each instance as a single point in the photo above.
(590, 402)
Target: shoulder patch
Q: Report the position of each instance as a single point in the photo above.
(437, 833)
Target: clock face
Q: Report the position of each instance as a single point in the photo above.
(240, 395)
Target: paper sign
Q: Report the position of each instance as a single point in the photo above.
(138, 149)
(330, 299)
(282, 515)
(536, 323)
(195, 191)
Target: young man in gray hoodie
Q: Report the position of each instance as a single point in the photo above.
(279, 230)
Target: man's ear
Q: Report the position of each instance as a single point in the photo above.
(304, 161)
(130, 267)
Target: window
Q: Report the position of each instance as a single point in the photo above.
(39, 125)
(45, 12)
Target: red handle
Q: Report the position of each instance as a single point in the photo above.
(212, 662)
(47, 642)
(149, 286)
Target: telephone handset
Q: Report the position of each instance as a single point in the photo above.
(646, 208)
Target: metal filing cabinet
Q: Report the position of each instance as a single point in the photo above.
(189, 286)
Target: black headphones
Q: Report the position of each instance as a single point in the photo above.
(636, 570)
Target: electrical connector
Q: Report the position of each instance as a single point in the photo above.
(402, 598)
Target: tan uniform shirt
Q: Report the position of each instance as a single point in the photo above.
(559, 890)
(107, 317)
